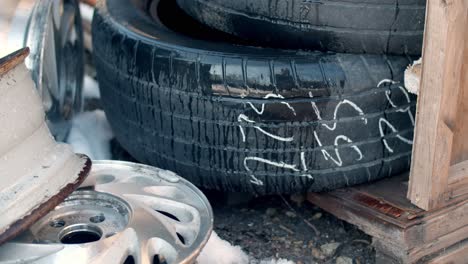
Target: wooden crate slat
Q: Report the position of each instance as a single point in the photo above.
(456, 255)
(400, 232)
(441, 126)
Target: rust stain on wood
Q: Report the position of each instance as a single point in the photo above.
(379, 205)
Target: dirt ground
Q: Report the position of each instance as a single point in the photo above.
(278, 227)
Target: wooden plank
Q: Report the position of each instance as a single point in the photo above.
(438, 245)
(404, 240)
(393, 191)
(460, 149)
(433, 226)
(457, 255)
(458, 180)
(458, 173)
(444, 44)
(368, 220)
(388, 252)
(400, 231)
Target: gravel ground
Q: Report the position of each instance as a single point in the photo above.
(276, 226)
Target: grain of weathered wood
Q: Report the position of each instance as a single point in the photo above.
(432, 227)
(460, 122)
(438, 245)
(440, 127)
(394, 192)
(457, 255)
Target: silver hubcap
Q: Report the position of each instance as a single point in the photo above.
(123, 212)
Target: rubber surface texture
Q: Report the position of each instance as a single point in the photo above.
(240, 118)
(352, 26)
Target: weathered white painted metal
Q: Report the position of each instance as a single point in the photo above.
(35, 171)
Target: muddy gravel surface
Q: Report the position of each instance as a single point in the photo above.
(276, 226)
(283, 227)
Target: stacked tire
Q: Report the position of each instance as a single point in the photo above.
(258, 96)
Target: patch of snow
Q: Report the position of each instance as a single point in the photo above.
(90, 88)
(86, 12)
(91, 135)
(219, 251)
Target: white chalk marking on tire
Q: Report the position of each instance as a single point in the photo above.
(352, 104)
(314, 106)
(269, 162)
(262, 108)
(281, 164)
(243, 117)
(338, 160)
(385, 81)
(303, 162)
(402, 110)
(383, 120)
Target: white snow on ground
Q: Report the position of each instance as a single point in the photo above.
(91, 134)
(90, 88)
(219, 251)
(86, 12)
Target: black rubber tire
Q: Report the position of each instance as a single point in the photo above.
(352, 26)
(182, 104)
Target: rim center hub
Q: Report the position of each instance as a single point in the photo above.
(86, 216)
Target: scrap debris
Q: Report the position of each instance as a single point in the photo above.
(413, 76)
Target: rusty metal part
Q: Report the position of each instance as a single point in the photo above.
(36, 173)
(10, 61)
(123, 213)
(23, 224)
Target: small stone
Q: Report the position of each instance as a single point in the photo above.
(250, 224)
(270, 211)
(344, 260)
(316, 216)
(316, 253)
(290, 214)
(298, 199)
(330, 248)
